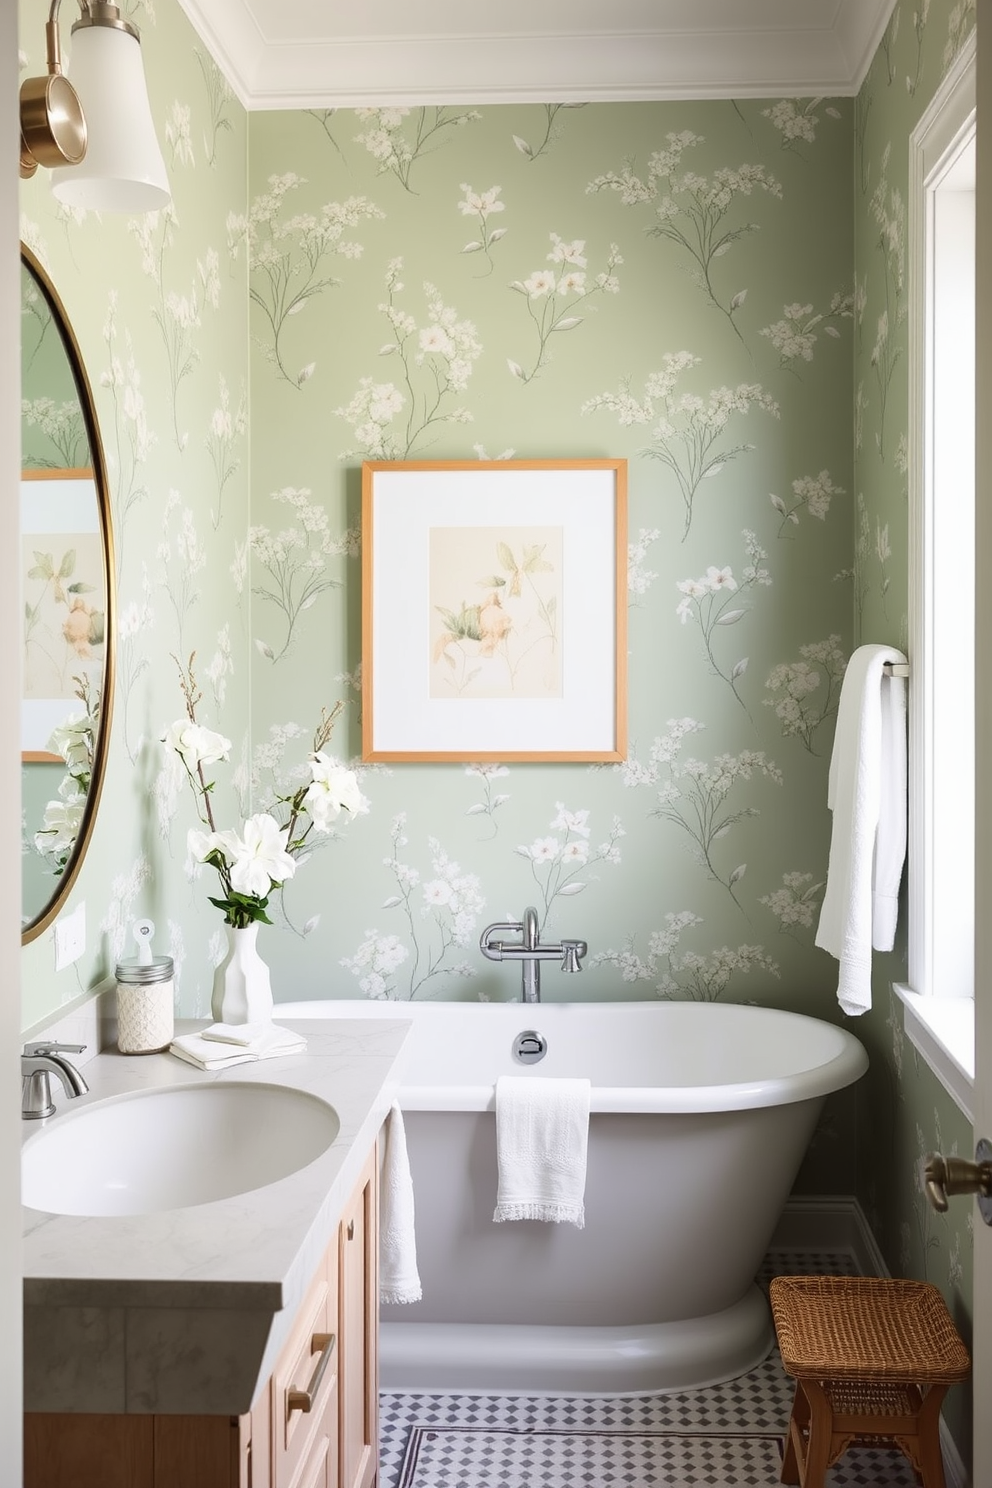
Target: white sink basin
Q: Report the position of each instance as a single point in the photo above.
(172, 1148)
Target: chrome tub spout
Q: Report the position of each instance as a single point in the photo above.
(529, 951)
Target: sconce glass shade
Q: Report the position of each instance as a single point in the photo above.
(123, 169)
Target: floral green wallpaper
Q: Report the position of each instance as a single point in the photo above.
(160, 312)
(669, 283)
(900, 1102)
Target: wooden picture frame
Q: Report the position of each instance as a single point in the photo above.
(494, 610)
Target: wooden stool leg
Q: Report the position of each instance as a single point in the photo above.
(931, 1462)
(818, 1453)
(797, 1421)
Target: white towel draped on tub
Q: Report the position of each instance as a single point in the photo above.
(399, 1279)
(867, 795)
(542, 1132)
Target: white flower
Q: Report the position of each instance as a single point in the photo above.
(435, 340)
(260, 861)
(201, 844)
(720, 578)
(570, 253)
(570, 821)
(332, 790)
(692, 588)
(196, 745)
(60, 827)
(438, 891)
(541, 282)
(73, 740)
(544, 850)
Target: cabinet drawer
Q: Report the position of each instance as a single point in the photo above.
(304, 1382)
(320, 1467)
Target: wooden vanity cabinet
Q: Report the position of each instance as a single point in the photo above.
(358, 1302)
(315, 1425)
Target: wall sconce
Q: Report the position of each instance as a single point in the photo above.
(92, 127)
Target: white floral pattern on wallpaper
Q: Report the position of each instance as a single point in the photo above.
(553, 294)
(293, 566)
(288, 254)
(688, 431)
(700, 214)
(687, 975)
(437, 359)
(716, 601)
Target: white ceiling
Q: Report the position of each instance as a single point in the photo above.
(354, 53)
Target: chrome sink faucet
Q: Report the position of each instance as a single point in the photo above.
(529, 951)
(38, 1063)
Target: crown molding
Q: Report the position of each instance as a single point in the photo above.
(859, 29)
(827, 56)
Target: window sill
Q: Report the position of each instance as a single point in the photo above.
(943, 1029)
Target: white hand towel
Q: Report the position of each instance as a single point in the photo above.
(255, 1037)
(212, 1048)
(542, 1131)
(399, 1279)
(866, 793)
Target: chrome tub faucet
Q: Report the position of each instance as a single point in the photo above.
(529, 951)
(38, 1063)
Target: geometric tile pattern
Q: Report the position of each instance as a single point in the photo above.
(722, 1436)
(474, 1456)
(456, 1457)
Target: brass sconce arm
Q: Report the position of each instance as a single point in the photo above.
(53, 130)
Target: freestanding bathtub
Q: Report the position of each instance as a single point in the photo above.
(700, 1116)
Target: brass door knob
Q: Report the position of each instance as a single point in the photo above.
(943, 1177)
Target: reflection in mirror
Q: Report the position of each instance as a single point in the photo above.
(67, 604)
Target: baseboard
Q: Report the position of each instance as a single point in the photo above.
(830, 1222)
(837, 1222)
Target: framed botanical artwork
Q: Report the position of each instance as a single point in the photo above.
(494, 605)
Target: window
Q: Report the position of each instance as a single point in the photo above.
(940, 996)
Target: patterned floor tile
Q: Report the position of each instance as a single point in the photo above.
(723, 1436)
(460, 1456)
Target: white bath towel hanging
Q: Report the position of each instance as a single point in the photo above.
(399, 1279)
(542, 1133)
(866, 793)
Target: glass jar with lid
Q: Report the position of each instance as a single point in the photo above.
(145, 1010)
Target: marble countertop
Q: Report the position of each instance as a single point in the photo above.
(186, 1310)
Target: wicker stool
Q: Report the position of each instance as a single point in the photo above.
(872, 1361)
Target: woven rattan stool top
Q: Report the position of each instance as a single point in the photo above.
(865, 1328)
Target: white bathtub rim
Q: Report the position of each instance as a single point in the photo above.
(543, 1359)
(641, 1099)
(810, 1083)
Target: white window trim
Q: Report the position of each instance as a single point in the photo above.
(940, 1027)
(943, 1029)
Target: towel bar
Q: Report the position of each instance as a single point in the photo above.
(896, 668)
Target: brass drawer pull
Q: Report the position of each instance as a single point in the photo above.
(304, 1400)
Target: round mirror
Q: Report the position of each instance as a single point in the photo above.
(67, 596)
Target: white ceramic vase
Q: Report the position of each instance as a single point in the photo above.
(242, 988)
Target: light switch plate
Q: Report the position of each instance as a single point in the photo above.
(70, 937)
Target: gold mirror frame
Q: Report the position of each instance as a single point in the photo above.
(70, 873)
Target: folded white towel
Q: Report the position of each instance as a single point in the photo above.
(399, 1279)
(222, 1045)
(249, 1035)
(542, 1131)
(867, 794)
